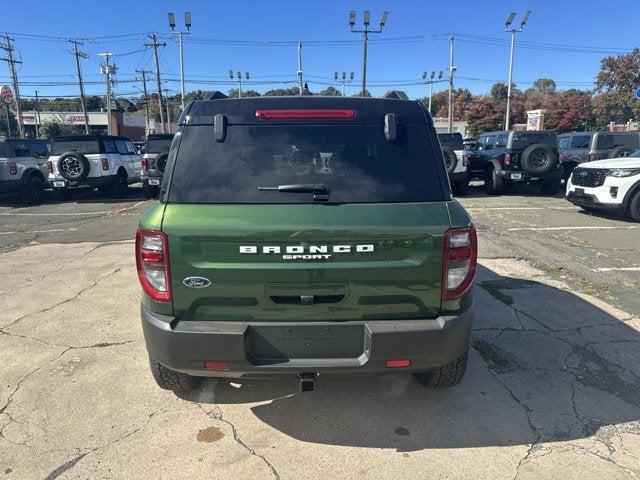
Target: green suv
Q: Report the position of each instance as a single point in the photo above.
(305, 236)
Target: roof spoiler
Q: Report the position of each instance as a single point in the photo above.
(217, 95)
(396, 94)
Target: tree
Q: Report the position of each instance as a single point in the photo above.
(568, 110)
(330, 92)
(544, 85)
(282, 92)
(485, 114)
(49, 129)
(233, 93)
(616, 82)
(4, 131)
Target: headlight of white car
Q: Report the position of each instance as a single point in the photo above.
(623, 172)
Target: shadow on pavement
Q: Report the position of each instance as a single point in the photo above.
(476, 190)
(80, 196)
(545, 366)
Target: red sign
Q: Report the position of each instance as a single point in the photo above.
(7, 94)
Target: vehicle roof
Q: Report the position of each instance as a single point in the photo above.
(160, 135)
(571, 134)
(243, 110)
(6, 140)
(499, 132)
(71, 138)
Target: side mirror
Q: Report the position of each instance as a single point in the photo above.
(390, 127)
(220, 127)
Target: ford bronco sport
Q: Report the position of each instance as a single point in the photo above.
(305, 236)
(23, 167)
(455, 161)
(154, 159)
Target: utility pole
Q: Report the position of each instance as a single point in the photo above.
(452, 70)
(344, 80)
(108, 69)
(154, 43)
(180, 33)
(300, 67)
(166, 104)
(143, 73)
(365, 35)
(239, 76)
(37, 115)
(513, 31)
(77, 53)
(14, 78)
(430, 82)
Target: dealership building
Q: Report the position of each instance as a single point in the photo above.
(131, 125)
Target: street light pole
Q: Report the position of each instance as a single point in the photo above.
(239, 76)
(366, 22)
(430, 82)
(107, 69)
(180, 33)
(344, 80)
(513, 31)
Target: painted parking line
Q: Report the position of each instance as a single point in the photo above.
(542, 229)
(55, 230)
(52, 214)
(522, 208)
(617, 269)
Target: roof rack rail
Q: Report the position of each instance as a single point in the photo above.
(397, 94)
(217, 95)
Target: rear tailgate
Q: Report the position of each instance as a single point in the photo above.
(395, 273)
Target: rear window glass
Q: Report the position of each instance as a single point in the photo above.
(523, 140)
(158, 145)
(356, 163)
(451, 140)
(581, 141)
(564, 143)
(79, 146)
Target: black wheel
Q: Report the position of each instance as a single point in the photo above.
(150, 191)
(460, 188)
(537, 159)
(161, 161)
(73, 166)
(568, 170)
(551, 187)
(493, 184)
(634, 206)
(168, 379)
(62, 194)
(448, 375)
(450, 159)
(119, 188)
(33, 192)
(619, 152)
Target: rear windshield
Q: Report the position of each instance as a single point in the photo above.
(523, 140)
(355, 162)
(158, 145)
(79, 146)
(451, 140)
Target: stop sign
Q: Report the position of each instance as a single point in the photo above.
(7, 94)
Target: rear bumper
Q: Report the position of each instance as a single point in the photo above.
(184, 346)
(150, 174)
(459, 177)
(91, 182)
(587, 200)
(526, 177)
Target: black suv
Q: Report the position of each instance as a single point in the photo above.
(517, 157)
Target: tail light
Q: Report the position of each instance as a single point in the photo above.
(465, 160)
(308, 113)
(507, 159)
(49, 166)
(152, 261)
(143, 163)
(13, 168)
(105, 163)
(459, 261)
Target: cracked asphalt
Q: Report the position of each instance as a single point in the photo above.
(552, 389)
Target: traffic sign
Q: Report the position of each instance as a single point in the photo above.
(637, 94)
(7, 94)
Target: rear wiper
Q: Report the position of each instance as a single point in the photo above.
(320, 190)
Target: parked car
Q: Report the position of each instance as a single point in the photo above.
(23, 168)
(456, 163)
(612, 185)
(574, 149)
(310, 235)
(515, 158)
(139, 146)
(156, 151)
(108, 163)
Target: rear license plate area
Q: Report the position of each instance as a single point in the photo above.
(59, 183)
(154, 181)
(516, 176)
(271, 344)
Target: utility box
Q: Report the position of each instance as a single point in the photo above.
(535, 119)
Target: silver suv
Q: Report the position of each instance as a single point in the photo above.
(23, 168)
(92, 161)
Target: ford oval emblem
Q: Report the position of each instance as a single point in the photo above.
(583, 173)
(196, 282)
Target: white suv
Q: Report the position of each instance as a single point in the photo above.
(455, 161)
(612, 184)
(95, 161)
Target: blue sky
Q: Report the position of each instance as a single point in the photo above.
(421, 26)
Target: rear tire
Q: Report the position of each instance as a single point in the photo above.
(634, 206)
(120, 187)
(33, 192)
(168, 379)
(150, 191)
(493, 184)
(62, 194)
(460, 188)
(550, 187)
(448, 375)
